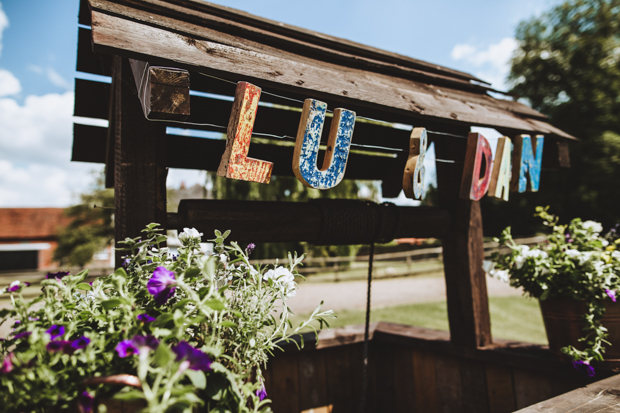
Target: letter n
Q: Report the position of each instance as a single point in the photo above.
(525, 163)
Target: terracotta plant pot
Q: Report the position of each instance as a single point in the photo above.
(564, 325)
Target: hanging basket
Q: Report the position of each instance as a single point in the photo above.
(563, 318)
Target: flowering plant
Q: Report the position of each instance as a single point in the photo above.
(575, 262)
(187, 330)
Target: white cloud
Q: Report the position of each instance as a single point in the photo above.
(58, 80)
(4, 23)
(9, 84)
(492, 63)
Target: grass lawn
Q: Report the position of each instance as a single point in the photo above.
(512, 318)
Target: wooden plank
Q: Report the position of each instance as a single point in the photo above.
(413, 176)
(91, 99)
(530, 388)
(425, 381)
(280, 35)
(285, 71)
(382, 391)
(235, 163)
(500, 389)
(84, 13)
(305, 156)
(449, 386)
(601, 396)
(163, 91)
(478, 151)
(89, 61)
(113, 102)
(285, 383)
(140, 173)
(500, 176)
(468, 308)
(312, 380)
(404, 389)
(343, 387)
(275, 221)
(89, 143)
(474, 382)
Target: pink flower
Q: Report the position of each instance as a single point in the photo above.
(611, 294)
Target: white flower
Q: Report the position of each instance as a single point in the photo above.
(189, 233)
(593, 225)
(488, 266)
(284, 279)
(519, 261)
(616, 255)
(573, 253)
(223, 259)
(604, 242)
(501, 275)
(584, 257)
(599, 266)
(535, 254)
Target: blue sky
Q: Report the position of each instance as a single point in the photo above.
(38, 40)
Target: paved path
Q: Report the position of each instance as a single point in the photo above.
(385, 293)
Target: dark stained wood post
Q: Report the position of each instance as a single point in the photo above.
(139, 160)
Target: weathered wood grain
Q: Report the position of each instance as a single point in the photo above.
(285, 383)
(448, 382)
(163, 91)
(235, 163)
(500, 389)
(271, 221)
(89, 61)
(526, 161)
(478, 151)
(500, 176)
(424, 381)
(414, 173)
(285, 71)
(312, 380)
(530, 387)
(305, 156)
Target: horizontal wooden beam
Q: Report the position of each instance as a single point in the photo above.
(89, 143)
(280, 70)
(89, 61)
(323, 221)
(91, 99)
(163, 91)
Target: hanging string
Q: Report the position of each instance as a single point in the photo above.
(371, 256)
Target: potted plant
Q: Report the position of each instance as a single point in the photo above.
(574, 275)
(169, 332)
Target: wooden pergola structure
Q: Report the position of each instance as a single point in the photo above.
(156, 52)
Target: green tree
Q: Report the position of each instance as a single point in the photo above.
(567, 66)
(91, 228)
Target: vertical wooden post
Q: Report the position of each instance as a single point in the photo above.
(463, 253)
(139, 160)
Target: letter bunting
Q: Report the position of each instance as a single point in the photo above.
(472, 186)
(413, 176)
(524, 162)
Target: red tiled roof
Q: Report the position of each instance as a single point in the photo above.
(31, 223)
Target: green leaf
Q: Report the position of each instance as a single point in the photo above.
(84, 286)
(215, 304)
(192, 272)
(162, 320)
(197, 377)
(131, 395)
(227, 323)
(120, 272)
(109, 304)
(163, 355)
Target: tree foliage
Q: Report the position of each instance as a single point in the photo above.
(91, 227)
(567, 66)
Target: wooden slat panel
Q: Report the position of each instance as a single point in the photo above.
(312, 380)
(425, 378)
(404, 391)
(280, 70)
(500, 389)
(89, 61)
(285, 383)
(84, 13)
(530, 388)
(89, 143)
(473, 380)
(91, 99)
(449, 387)
(381, 378)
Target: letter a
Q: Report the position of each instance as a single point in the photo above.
(500, 177)
(472, 187)
(413, 176)
(235, 162)
(309, 139)
(524, 162)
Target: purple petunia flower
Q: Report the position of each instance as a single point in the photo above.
(261, 393)
(197, 360)
(126, 262)
(145, 341)
(126, 348)
(86, 402)
(56, 275)
(7, 364)
(611, 294)
(161, 285)
(584, 367)
(22, 335)
(58, 345)
(249, 249)
(56, 331)
(80, 343)
(33, 318)
(16, 286)
(145, 318)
